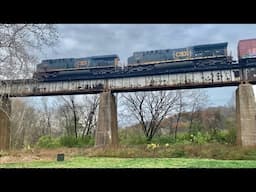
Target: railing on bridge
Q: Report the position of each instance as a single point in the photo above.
(214, 78)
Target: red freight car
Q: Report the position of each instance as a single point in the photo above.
(247, 50)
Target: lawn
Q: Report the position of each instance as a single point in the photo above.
(102, 162)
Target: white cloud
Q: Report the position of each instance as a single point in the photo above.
(69, 43)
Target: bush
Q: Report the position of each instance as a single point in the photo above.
(48, 142)
(231, 136)
(163, 139)
(200, 138)
(192, 137)
(196, 137)
(71, 141)
(225, 137)
(68, 141)
(132, 139)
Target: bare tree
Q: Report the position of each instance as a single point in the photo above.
(218, 118)
(150, 108)
(65, 119)
(25, 127)
(77, 114)
(180, 109)
(197, 99)
(231, 104)
(71, 107)
(88, 114)
(19, 44)
(47, 116)
(5, 105)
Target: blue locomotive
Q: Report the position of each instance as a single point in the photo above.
(199, 57)
(70, 67)
(195, 56)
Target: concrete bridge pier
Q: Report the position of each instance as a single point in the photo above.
(246, 115)
(5, 111)
(106, 133)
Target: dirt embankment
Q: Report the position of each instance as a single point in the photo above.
(28, 155)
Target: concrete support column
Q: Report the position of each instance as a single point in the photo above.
(106, 133)
(5, 111)
(246, 115)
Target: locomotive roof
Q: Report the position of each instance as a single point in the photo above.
(103, 56)
(225, 44)
(203, 46)
(91, 57)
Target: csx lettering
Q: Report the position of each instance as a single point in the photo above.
(80, 63)
(182, 54)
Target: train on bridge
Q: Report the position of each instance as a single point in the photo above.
(194, 58)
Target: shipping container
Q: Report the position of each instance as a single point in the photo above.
(246, 49)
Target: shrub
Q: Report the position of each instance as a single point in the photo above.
(197, 138)
(225, 137)
(163, 139)
(48, 142)
(71, 141)
(68, 141)
(202, 138)
(152, 146)
(132, 139)
(231, 136)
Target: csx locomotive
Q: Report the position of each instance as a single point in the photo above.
(71, 68)
(199, 57)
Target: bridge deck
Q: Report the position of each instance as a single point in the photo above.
(171, 81)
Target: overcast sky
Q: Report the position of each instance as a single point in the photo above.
(82, 40)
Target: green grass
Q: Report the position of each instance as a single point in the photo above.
(102, 162)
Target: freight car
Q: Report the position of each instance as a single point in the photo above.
(70, 67)
(246, 51)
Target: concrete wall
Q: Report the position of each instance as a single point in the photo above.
(5, 111)
(106, 133)
(246, 115)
